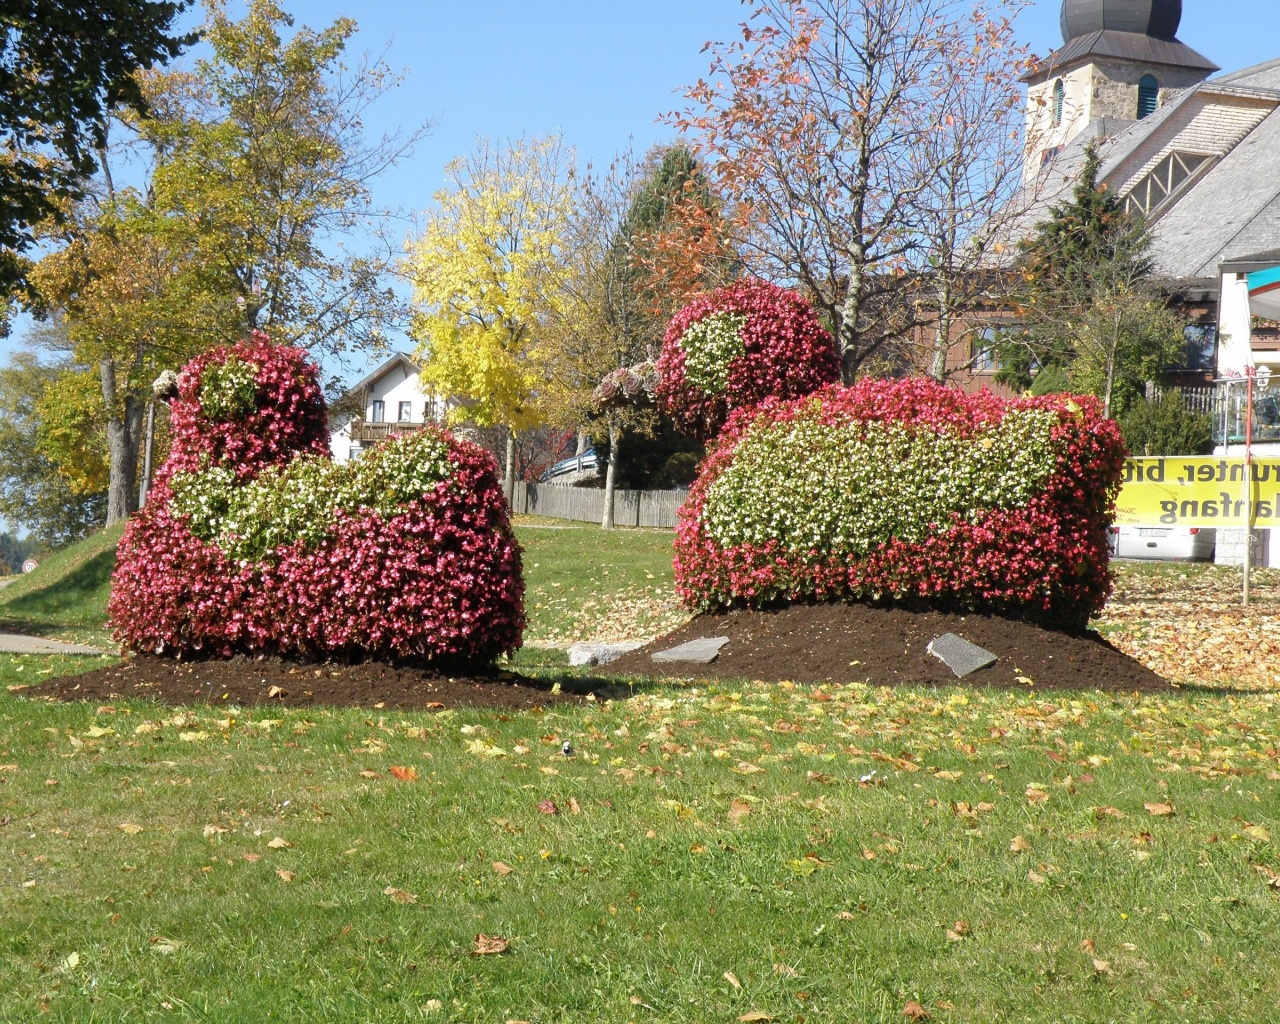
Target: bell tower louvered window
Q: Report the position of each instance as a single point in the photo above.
(1148, 96)
(1164, 180)
(1059, 94)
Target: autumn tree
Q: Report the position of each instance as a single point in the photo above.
(821, 123)
(259, 179)
(488, 273)
(971, 164)
(34, 492)
(644, 237)
(1087, 302)
(65, 65)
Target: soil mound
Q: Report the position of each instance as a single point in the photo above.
(247, 681)
(885, 646)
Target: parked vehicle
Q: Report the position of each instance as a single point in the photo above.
(1164, 543)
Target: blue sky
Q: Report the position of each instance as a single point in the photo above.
(601, 72)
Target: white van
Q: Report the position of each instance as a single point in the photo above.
(1164, 543)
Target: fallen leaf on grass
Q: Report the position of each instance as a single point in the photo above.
(487, 945)
(1035, 878)
(756, 1015)
(279, 844)
(368, 773)
(192, 737)
(286, 876)
(399, 895)
(548, 807)
(573, 806)
(8, 767)
(1088, 945)
(1159, 810)
(209, 831)
(914, 1011)
(784, 970)
(500, 868)
(1019, 845)
(164, 946)
(738, 810)
(130, 828)
(949, 776)
(637, 1001)
(252, 858)
(747, 768)
(1037, 794)
(1107, 812)
(958, 931)
(1258, 832)
(404, 774)
(1102, 966)
(732, 979)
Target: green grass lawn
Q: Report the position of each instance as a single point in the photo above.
(793, 853)
(66, 597)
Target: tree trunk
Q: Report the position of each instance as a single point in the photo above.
(124, 432)
(1111, 371)
(148, 440)
(509, 472)
(582, 442)
(606, 521)
(942, 337)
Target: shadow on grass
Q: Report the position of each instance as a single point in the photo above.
(75, 599)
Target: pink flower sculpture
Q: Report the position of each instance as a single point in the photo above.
(255, 541)
(737, 346)
(905, 489)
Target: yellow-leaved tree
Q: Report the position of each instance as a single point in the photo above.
(488, 272)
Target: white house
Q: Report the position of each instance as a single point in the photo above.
(389, 401)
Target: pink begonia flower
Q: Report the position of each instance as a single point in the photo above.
(438, 578)
(1047, 560)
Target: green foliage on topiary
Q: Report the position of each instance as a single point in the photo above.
(303, 500)
(845, 488)
(1051, 380)
(228, 390)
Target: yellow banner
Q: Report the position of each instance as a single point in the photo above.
(1203, 490)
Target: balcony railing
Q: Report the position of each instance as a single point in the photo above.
(364, 432)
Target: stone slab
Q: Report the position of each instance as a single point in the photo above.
(600, 654)
(15, 643)
(702, 651)
(962, 657)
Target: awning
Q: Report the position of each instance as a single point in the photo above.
(1264, 293)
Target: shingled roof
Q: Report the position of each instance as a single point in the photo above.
(1130, 46)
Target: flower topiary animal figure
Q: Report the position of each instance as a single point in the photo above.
(734, 347)
(254, 540)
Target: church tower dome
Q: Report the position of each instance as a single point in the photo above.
(1156, 18)
(1121, 61)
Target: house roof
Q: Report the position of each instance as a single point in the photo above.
(1227, 212)
(1128, 46)
(398, 359)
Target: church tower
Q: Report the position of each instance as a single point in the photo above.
(1120, 59)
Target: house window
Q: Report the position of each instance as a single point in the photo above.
(379, 412)
(1200, 344)
(1059, 95)
(984, 359)
(405, 414)
(1162, 181)
(354, 452)
(1148, 96)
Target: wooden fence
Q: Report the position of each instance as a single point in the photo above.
(586, 504)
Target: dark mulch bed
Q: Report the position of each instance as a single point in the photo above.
(247, 681)
(885, 646)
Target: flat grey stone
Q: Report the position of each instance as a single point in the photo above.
(962, 657)
(600, 654)
(699, 652)
(15, 643)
